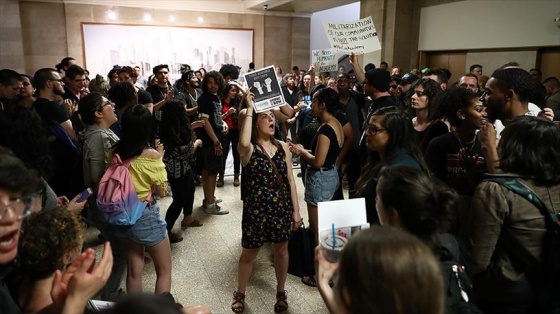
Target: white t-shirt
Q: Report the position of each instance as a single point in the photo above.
(533, 112)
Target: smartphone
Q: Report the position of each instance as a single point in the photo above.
(85, 194)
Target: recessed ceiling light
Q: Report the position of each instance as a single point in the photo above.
(172, 19)
(200, 19)
(112, 15)
(147, 17)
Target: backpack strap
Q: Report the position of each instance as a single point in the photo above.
(117, 160)
(515, 185)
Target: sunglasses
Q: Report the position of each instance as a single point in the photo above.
(393, 86)
(373, 129)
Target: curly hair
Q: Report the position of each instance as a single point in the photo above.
(123, 94)
(174, 122)
(47, 238)
(15, 177)
(518, 80)
(422, 203)
(230, 70)
(431, 89)
(218, 79)
(26, 136)
(530, 147)
(451, 100)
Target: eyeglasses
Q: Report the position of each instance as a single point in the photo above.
(373, 129)
(393, 86)
(21, 207)
(108, 103)
(57, 80)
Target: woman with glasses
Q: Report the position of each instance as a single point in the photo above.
(389, 140)
(98, 114)
(270, 206)
(426, 122)
(321, 177)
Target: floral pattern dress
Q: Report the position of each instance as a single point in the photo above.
(267, 211)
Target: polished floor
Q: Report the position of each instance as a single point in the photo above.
(205, 263)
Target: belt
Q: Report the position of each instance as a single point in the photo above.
(320, 169)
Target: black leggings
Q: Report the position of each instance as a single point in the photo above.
(183, 198)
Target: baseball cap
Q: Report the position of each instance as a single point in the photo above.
(408, 78)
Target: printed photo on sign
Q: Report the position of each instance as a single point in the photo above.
(358, 37)
(264, 85)
(324, 60)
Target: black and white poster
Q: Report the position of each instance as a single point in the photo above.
(264, 85)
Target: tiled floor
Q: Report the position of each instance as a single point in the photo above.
(205, 262)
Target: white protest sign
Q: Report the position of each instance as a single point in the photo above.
(324, 60)
(342, 213)
(264, 85)
(358, 37)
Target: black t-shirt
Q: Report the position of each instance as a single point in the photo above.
(69, 95)
(442, 158)
(435, 129)
(211, 106)
(144, 97)
(50, 111)
(157, 93)
(334, 148)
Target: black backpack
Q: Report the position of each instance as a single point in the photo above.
(459, 296)
(546, 280)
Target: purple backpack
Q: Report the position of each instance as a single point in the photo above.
(117, 200)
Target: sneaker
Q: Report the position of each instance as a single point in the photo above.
(217, 200)
(236, 180)
(214, 209)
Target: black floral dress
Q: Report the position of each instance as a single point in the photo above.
(267, 213)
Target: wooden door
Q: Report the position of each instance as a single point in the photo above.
(454, 61)
(548, 61)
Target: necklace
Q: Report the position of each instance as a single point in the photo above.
(195, 98)
(471, 143)
(270, 153)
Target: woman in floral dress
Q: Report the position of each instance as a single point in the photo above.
(271, 209)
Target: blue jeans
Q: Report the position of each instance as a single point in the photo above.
(320, 185)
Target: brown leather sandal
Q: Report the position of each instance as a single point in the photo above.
(238, 305)
(281, 302)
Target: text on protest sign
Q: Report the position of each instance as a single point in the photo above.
(324, 60)
(264, 85)
(358, 37)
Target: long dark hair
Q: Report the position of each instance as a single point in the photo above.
(174, 122)
(137, 132)
(398, 125)
(424, 206)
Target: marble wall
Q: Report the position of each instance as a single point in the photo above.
(51, 31)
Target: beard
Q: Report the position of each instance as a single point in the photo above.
(59, 91)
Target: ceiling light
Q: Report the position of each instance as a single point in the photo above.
(172, 19)
(112, 15)
(147, 17)
(200, 19)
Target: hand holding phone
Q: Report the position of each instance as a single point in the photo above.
(85, 194)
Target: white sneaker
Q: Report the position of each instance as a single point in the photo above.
(214, 209)
(216, 200)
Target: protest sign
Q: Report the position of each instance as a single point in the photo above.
(264, 85)
(358, 37)
(324, 60)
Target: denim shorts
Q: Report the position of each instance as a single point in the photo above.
(149, 230)
(320, 185)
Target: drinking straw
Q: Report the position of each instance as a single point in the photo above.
(333, 238)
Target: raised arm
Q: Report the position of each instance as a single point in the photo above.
(244, 147)
(360, 76)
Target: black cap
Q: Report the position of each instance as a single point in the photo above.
(380, 78)
(408, 78)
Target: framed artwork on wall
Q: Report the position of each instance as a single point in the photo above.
(107, 45)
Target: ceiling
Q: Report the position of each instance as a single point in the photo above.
(273, 7)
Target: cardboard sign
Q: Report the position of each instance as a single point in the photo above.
(342, 213)
(358, 37)
(264, 85)
(324, 60)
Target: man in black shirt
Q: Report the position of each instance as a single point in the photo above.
(10, 84)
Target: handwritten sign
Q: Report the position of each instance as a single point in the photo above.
(358, 37)
(264, 85)
(324, 60)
